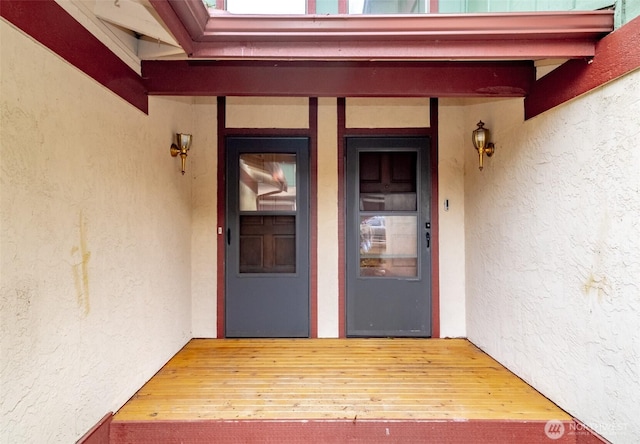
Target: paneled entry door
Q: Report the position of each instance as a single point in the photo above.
(267, 244)
(388, 236)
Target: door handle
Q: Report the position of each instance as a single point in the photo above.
(228, 236)
(428, 239)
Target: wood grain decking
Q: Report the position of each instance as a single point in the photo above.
(335, 379)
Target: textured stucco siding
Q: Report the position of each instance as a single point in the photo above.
(108, 254)
(328, 245)
(94, 245)
(203, 171)
(453, 141)
(553, 251)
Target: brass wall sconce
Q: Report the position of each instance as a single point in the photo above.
(481, 142)
(184, 143)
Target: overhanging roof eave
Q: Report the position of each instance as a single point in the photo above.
(501, 36)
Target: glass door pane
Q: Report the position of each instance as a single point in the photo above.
(267, 197)
(388, 211)
(388, 246)
(267, 182)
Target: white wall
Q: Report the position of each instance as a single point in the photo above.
(95, 241)
(453, 141)
(203, 171)
(553, 251)
(328, 246)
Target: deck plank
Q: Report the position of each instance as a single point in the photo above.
(338, 379)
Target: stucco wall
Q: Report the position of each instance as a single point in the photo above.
(387, 112)
(94, 245)
(267, 112)
(453, 140)
(553, 251)
(203, 171)
(328, 247)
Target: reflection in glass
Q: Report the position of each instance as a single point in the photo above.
(388, 246)
(388, 202)
(388, 180)
(267, 182)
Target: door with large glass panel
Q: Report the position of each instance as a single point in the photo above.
(267, 238)
(388, 242)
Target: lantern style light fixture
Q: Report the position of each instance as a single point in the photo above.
(481, 142)
(182, 147)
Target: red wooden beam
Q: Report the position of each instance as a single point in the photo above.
(338, 79)
(616, 55)
(48, 23)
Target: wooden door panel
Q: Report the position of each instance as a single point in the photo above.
(267, 244)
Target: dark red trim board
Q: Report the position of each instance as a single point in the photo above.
(222, 220)
(99, 433)
(313, 217)
(616, 55)
(48, 23)
(341, 104)
(336, 431)
(585, 435)
(338, 79)
(435, 224)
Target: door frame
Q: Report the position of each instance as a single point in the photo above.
(312, 134)
(430, 130)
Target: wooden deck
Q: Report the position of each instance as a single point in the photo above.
(340, 381)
